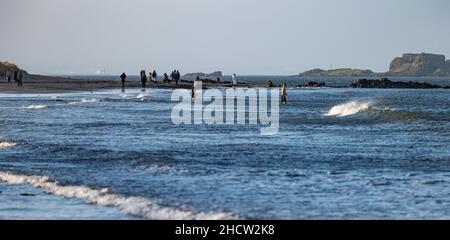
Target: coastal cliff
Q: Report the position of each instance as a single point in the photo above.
(422, 64)
(5, 65)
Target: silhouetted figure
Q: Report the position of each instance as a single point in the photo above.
(143, 79)
(193, 92)
(15, 75)
(197, 78)
(166, 78)
(283, 93)
(155, 76)
(19, 78)
(123, 77)
(177, 77)
(218, 79)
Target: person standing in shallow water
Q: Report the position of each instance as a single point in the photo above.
(123, 77)
(283, 93)
(143, 80)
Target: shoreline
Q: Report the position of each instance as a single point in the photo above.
(40, 84)
(46, 84)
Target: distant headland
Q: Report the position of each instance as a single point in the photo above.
(410, 64)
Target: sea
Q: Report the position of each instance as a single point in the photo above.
(340, 153)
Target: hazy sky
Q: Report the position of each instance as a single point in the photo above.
(242, 36)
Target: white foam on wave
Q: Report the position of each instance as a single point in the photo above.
(35, 107)
(135, 206)
(7, 145)
(350, 108)
(143, 96)
(84, 101)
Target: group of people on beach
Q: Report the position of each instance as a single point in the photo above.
(176, 76)
(17, 75)
(153, 77)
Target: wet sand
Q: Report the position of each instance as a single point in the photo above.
(46, 84)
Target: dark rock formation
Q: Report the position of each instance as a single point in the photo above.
(419, 65)
(268, 83)
(386, 83)
(315, 84)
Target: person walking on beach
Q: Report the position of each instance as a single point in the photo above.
(283, 93)
(8, 75)
(19, 78)
(234, 79)
(155, 76)
(143, 80)
(123, 77)
(15, 75)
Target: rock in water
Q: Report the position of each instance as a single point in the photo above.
(386, 83)
(422, 64)
(268, 83)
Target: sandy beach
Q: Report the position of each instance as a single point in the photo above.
(48, 84)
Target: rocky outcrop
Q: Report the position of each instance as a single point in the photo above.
(386, 83)
(315, 84)
(340, 72)
(5, 65)
(422, 64)
(200, 74)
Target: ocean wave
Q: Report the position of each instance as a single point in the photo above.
(143, 96)
(84, 101)
(35, 107)
(7, 145)
(350, 108)
(135, 206)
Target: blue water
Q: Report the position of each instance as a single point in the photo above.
(390, 160)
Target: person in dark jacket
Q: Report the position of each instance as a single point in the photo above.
(166, 78)
(19, 78)
(155, 76)
(177, 77)
(143, 79)
(123, 77)
(15, 75)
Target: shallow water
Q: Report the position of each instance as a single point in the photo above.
(340, 154)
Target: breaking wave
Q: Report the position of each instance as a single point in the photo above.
(135, 206)
(355, 107)
(143, 96)
(7, 145)
(85, 101)
(35, 107)
(350, 108)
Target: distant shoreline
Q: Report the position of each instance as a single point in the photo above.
(40, 84)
